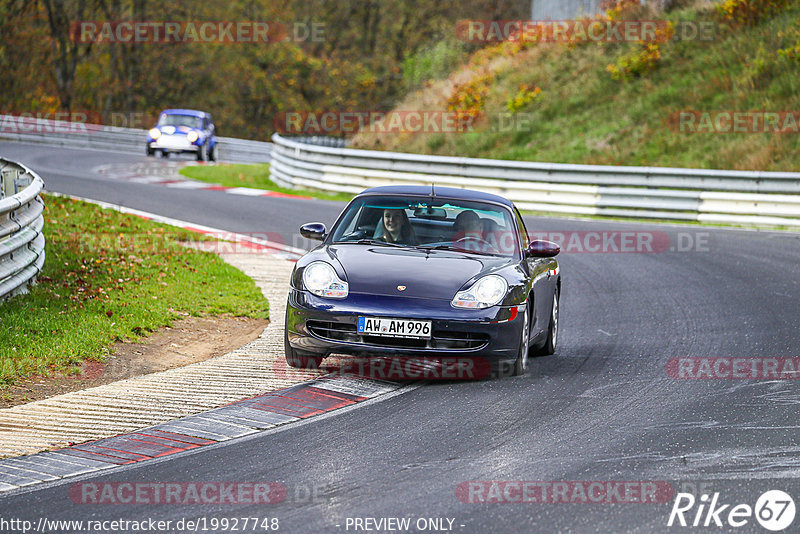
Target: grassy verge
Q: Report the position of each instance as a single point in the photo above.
(255, 176)
(112, 277)
(584, 115)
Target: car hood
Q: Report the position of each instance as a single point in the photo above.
(435, 274)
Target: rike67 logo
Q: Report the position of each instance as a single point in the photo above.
(774, 510)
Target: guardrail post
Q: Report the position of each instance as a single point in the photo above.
(8, 182)
(23, 180)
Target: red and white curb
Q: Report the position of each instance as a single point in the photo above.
(167, 175)
(238, 419)
(250, 416)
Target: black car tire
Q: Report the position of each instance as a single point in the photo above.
(165, 154)
(521, 363)
(297, 359)
(214, 154)
(551, 342)
(150, 151)
(202, 154)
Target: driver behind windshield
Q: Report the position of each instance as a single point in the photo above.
(467, 224)
(397, 228)
(181, 120)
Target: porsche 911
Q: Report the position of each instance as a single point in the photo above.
(416, 271)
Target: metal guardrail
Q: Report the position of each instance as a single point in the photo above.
(321, 140)
(22, 251)
(131, 140)
(746, 197)
(760, 198)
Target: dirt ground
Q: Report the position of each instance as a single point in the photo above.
(189, 340)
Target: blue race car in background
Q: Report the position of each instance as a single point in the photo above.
(183, 130)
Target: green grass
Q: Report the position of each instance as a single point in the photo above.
(585, 116)
(112, 277)
(255, 176)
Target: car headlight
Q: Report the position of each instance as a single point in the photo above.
(192, 136)
(485, 293)
(321, 279)
(155, 133)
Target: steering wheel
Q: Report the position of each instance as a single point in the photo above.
(479, 240)
(355, 235)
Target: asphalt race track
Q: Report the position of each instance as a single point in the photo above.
(604, 408)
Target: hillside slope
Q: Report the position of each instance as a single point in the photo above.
(574, 109)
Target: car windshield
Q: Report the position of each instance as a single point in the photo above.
(180, 120)
(429, 223)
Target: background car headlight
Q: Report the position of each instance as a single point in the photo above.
(320, 278)
(485, 293)
(155, 133)
(192, 136)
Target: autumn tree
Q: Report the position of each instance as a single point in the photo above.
(357, 65)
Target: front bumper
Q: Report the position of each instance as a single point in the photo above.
(325, 326)
(173, 143)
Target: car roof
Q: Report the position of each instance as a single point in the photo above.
(191, 112)
(447, 192)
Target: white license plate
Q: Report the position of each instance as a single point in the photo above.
(179, 142)
(381, 326)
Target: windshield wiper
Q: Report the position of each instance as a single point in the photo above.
(457, 249)
(376, 242)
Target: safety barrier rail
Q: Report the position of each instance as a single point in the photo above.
(131, 140)
(745, 197)
(22, 253)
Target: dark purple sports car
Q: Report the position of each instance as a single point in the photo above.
(421, 271)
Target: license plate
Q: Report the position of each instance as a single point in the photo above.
(381, 326)
(173, 141)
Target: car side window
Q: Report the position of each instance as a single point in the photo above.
(350, 224)
(523, 232)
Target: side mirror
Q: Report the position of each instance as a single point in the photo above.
(542, 249)
(314, 231)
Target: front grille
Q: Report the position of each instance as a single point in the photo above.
(333, 331)
(459, 340)
(396, 342)
(441, 340)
